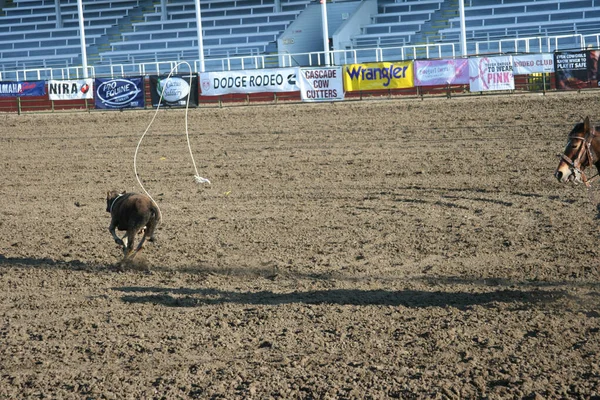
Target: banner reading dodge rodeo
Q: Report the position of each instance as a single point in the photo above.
(378, 76)
(249, 81)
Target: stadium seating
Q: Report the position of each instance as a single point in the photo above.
(123, 32)
(229, 28)
(486, 20)
(397, 23)
(31, 36)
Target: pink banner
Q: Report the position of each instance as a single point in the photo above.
(441, 72)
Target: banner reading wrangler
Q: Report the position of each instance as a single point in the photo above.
(249, 81)
(378, 76)
(21, 89)
(491, 73)
(119, 93)
(71, 89)
(321, 84)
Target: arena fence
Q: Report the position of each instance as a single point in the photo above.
(540, 72)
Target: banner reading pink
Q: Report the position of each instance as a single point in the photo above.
(441, 72)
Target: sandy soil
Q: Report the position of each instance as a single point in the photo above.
(375, 249)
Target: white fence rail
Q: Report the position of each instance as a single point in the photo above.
(339, 57)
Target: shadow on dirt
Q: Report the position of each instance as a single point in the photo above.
(184, 297)
(74, 265)
(507, 283)
(49, 263)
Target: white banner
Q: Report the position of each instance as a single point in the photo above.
(249, 81)
(491, 73)
(533, 64)
(71, 89)
(321, 84)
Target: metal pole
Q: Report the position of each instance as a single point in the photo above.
(199, 28)
(325, 30)
(82, 39)
(463, 29)
(163, 10)
(59, 23)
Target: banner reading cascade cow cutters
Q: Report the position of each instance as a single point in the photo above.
(249, 81)
(321, 84)
(174, 90)
(119, 93)
(378, 76)
(71, 89)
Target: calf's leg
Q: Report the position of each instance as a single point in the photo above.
(111, 229)
(128, 249)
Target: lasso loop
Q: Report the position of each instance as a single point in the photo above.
(197, 176)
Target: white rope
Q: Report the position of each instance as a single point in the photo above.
(197, 177)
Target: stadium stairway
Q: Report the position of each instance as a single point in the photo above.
(440, 19)
(124, 25)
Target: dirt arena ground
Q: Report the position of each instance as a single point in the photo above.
(365, 250)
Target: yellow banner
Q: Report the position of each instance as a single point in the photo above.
(378, 76)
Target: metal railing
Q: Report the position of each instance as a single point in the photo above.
(537, 44)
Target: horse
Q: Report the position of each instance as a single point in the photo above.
(583, 150)
(134, 213)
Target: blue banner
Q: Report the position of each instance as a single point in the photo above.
(21, 89)
(119, 93)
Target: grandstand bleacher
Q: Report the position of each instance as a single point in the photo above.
(140, 31)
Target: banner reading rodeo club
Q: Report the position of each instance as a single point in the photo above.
(174, 90)
(119, 93)
(76, 89)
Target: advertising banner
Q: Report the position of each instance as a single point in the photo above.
(441, 72)
(576, 70)
(533, 64)
(491, 73)
(321, 84)
(75, 89)
(378, 76)
(249, 81)
(22, 89)
(174, 90)
(119, 93)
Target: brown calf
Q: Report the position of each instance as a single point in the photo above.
(134, 213)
